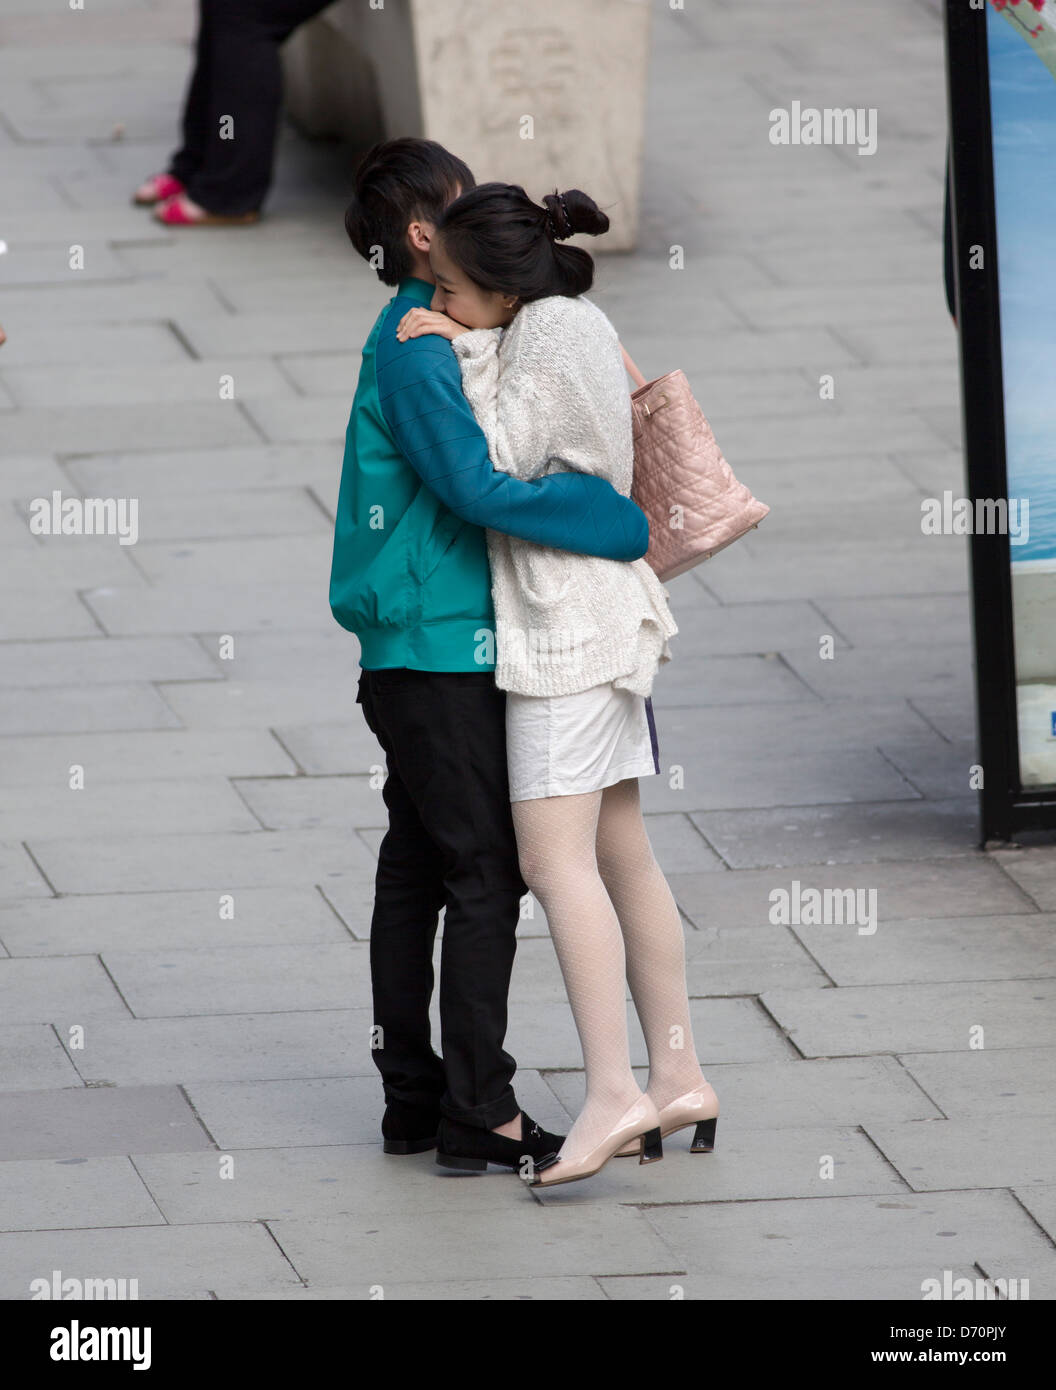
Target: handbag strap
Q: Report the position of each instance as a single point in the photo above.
(629, 363)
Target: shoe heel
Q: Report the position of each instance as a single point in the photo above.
(474, 1165)
(651, 1148)
(704, 1137)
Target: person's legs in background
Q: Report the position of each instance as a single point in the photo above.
(195, 123)
(232, 106)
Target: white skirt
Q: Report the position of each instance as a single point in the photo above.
(562, 745)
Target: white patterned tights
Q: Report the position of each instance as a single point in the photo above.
(614, 922)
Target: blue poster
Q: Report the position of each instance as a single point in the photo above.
(1021, 40)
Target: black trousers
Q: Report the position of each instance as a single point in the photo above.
(236, 75)
(450, 843)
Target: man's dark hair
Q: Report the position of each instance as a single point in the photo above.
(396, 182)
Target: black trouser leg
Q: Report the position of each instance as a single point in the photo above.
(188, 158)
(408, 896)
(445, 737)
(232, 106)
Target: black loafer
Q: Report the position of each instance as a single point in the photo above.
(472, 1149)
(409, 1129)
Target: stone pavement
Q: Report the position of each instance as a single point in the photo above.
(886, 1094)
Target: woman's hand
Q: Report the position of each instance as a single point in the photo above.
(417, 322)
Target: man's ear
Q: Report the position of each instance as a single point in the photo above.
(420, 236)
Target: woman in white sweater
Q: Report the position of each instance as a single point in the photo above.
(578, 642)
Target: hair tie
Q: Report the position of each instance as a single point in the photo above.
(555, 232)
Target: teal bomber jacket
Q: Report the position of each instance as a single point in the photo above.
(410, 574)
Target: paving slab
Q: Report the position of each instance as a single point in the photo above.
(255, 377)
(42, 265)
(302, 803)
(935, 949)
(908, 889)
(313, 418)
(84, 428)
(173, 473)
(33, 1059)
(43, 614)
(233, 607)
(88, 1122)
(759, 571)
(134, 755)
(221, 861)
(53, 709)
(206, 558)
(885, 670)
(937, 768)
(105, 661)
(73, 989)
(694, 782)
(71, 1193)
(246, 704)
(64, 562)
(20, 876)
(168, 1261)
(333, 747)
(174, 806)
(274, 512)
(786, 1095)
(900, 621)
(119, 922)
(239, 335)
(144, 1052)
(392, 1249)
(899, 829)
(1034, 870)
(269, 656)
(937, 1155)
(103, 345)
(288, 1113)
(1012, 1081)
(242, 979)
(812, 1284)
(499, 1290)
(857, 1234)
(808, 1163)
(94, 303)
(748, 960)
(917, 1017)
(727, 680)
(543, 1035)
(1040, 1201)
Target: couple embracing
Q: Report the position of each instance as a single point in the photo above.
(489, 559)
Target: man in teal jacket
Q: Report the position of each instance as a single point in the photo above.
(410, 578)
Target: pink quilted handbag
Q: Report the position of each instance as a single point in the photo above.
(682, 482)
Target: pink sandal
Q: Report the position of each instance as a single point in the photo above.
(157, 188)
(175, 212)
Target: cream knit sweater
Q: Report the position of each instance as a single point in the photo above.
(550, 394)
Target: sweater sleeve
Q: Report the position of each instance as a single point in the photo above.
(543, 409)
(422, 401)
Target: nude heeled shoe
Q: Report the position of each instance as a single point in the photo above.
(698, 1107)
(640, 1125)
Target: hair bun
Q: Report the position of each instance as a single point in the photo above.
(573, 211)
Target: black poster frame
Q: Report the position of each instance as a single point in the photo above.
(1006, 806)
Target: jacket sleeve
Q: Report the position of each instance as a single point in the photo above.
(420, 391)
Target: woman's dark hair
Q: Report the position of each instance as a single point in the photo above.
(396, 182)
(505, 242)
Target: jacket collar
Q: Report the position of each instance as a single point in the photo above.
(410, 287)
